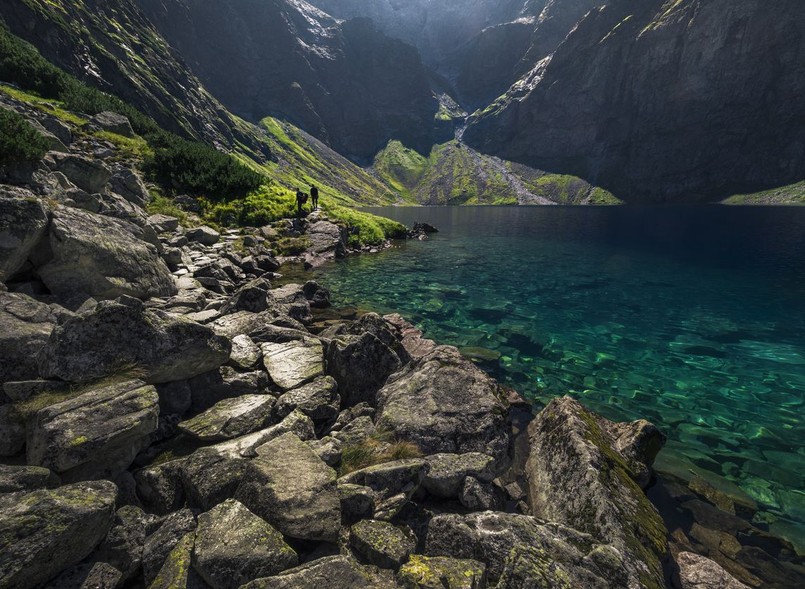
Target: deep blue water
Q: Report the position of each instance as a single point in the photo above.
(691, 317)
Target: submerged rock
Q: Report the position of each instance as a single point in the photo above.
(46, 531)
(120, 335)
(234, 546)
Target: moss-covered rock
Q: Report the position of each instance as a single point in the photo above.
(577, 477)
(230, 418)
(441, 572)
(234, 546)
(46, 531)
(381, 543)
(176, 568)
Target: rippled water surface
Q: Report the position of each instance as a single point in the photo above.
(693, 318)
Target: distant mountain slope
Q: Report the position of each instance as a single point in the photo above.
(679, 100)
(455, 174)
(111, 45)
(344, 82)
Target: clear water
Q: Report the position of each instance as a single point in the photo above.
(691, 317)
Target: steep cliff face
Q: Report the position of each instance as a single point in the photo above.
(664, 100)
(111, 45)
(345, 82)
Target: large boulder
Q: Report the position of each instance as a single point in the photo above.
(46, 531)
(90, 175)
(14, 479)
(98, 256)
(117, 336)
(23, 221)
(576, 477)
(360, 364)
(392, 483)
(319, 400)
(224, 383)
(290, 487)
(291, 364)
(574, 559)
(204, 235)
(102, 424)
(230, 418)
(234, 546)
(25, 326)
(381, 544)
(443, 403)
(447, 472)
(114, 123)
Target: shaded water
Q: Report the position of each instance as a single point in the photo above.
(691, 317)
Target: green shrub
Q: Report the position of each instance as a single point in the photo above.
(19, 141)
(198, 170)
(365, 228)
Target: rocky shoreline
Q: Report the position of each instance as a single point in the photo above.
(170, 418)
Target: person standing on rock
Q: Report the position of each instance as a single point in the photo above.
(314, 196)
(301, 199)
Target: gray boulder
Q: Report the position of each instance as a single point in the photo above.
(100, 423)
(252, 296)
(638, 442)
(230, 418)
(492, 537)
(442, 572)
(577, 478)
(326, 238)
(290, 487)
(291, 364)
(332, 572)
(128, 184)
(209, 477)
(23, 221)
(329, 449)
(159, 487)
(14, 479)
(158, 546)
(245, 353)
(357, 502)
(114, 123)
(101, 257)
(447, 472)
(480, 496)
(381, 544)
(699, 572)
(164, 223)
(204, 235)
(360, 364)
(25, 326)
(393, 483)
(90, 175)
(443, 403)
(319, 400)
(246, 446)
(46, 531)
(119, 335)
(234, 546)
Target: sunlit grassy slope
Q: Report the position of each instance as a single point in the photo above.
(793, 194)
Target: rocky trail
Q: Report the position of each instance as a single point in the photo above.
(172, 418)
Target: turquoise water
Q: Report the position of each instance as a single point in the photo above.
(693, 318)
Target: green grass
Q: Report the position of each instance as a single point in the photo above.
(162, 205)
(378, 448)
(793, 194)
(365, 228)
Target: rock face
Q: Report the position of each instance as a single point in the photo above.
(234, 546)
(293, 363)
(344, 82)
(291, 488)
(443, 403)
(44, 532)
(422, 572)
(713, 136)
(94, 427)
(123, 334)
(102, 257)
(576, 478)
(23, 221)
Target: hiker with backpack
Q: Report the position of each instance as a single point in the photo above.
(314, 196)
(301, 199)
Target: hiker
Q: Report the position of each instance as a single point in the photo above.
(301, 199)
(314, 196)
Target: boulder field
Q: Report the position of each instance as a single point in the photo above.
(170, 418)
